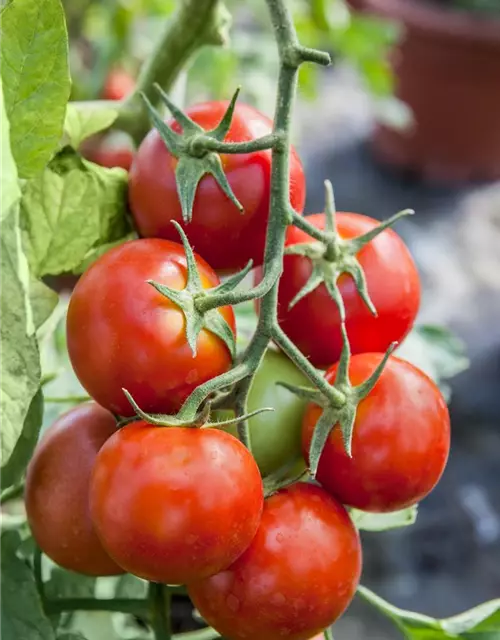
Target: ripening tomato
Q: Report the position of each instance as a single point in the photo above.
(113, 149)
(111, 156)
(393, 284)
(175, 504)
(400, 444)
(295, 579)
(276, 437)
(122, 333)
(226, 238)
(57, 490)
(118, 84)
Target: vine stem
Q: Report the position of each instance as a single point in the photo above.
(196, 23)
(292, 54)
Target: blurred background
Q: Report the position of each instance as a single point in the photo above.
(407, 116)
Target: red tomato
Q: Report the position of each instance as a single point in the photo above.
(123, 333)
(57, 490)
(393, 284)
(226, 238)
(297, 577)
(174, 504)
(118, 85)
(400, 443)
(111, 157)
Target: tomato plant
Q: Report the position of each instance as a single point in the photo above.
(175, 505)
(297, 576)
(216, 222)
(123, 333)
(57, 490)
(400, 444)
(153, 480)
(313, 323)
(276, 436)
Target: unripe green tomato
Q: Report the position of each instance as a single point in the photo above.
(275, 436)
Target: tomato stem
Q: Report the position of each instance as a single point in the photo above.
(160, 600)
(197, 23)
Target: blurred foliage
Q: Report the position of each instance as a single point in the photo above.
(122, 33)
(479, 6)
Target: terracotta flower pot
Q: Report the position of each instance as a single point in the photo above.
(447, 69)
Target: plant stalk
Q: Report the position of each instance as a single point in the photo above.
(160, 601)
(196, 23)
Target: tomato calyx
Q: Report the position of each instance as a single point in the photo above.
(197, 318)
(331, 256)
(334, 412)
(200, 420)
(194, 160)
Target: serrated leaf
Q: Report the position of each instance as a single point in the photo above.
(22, 613)
(35, 76)
(20, 362)
(366, 521)
(82, 122)
(480, 623)
(13, 471)
(73, 208)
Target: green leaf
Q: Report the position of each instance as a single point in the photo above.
(43, 301)
(35, 75)
(70, 635)
(22, 614)
(366, 521)
(13, 471)
(20, 363)
(84, 121)
(480, 623)
(72, 209)
(435, 350)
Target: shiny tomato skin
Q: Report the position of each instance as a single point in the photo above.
(313, 324)
(400, 444)
(296, 578)
(174, 504)
(122, 333)
(118, 85)
(226, 238)
(275, 436)
(57, 490)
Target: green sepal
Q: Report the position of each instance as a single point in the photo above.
(222, 129)
(201, 420)
(335, 411)
(233, 281)
(193, 162)
(306, 393)
(335, 256)
(196, 319)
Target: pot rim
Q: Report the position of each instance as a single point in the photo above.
(431, 18)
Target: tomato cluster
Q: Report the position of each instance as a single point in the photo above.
(184, 504)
